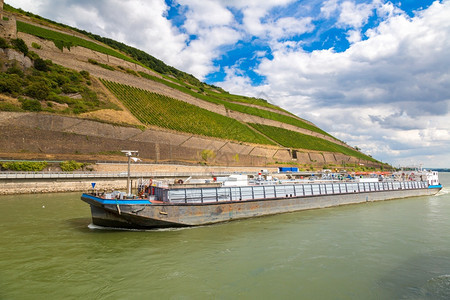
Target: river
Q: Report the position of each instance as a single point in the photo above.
(396, 249)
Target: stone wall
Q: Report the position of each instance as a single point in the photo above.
(8, 28)
(50, 134)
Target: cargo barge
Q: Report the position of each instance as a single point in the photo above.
(182, 205)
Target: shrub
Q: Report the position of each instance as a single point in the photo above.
(39, 64)
(33, 55)
(71, 165)
(36, 45)
(3, 43)
(10, 83)
(20, 45)
(15, 70)
(85, 74)
(31, 105)
(34, 166)
(38, 90)
(70, 88)
(6, 106)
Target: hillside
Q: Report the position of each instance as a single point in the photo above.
(52, 73)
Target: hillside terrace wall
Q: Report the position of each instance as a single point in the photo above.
(50, 134)
(77, 58)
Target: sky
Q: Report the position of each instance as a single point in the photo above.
(375, 73)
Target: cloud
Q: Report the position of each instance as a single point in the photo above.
(395, 82)
(354, 15)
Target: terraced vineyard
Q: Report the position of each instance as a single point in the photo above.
(296, 140)
(227, 100)
(155, 109)
(240, 108)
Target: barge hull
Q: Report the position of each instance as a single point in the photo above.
(147, 216)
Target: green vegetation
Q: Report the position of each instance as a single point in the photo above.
(154, 109)
(63, 40)
(28, 166)
(104, 66)
(71, 165)
(20, 45)
(49, 87)
(208, 154)
(239, 108)
(3, 43)
(296, 140)
(35, 45)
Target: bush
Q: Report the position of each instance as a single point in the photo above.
(41, 65)
(33, 166)
(36, 45)
(31, 105)
(6, 106)
(85, 74)
(15, 70)
(38, 90)
(3, 43)
(10, 83)
(70, 89)
(20, 45)
(71, 165)
(33, 55)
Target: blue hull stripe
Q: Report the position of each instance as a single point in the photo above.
(435, 186)
(113, 201)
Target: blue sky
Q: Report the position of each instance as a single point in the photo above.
(373, 73)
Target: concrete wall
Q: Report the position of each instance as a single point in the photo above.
(51, 134)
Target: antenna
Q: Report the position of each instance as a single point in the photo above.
(131, 154)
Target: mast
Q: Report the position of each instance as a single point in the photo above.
(131, 154)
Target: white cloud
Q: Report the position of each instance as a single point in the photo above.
(329, 8)
(399, 75)
(354, 15)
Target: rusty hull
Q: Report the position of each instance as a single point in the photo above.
(143, 216)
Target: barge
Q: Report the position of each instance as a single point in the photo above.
(181, 205)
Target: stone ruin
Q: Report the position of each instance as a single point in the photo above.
(8, 27)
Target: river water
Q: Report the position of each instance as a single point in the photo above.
(386, 250)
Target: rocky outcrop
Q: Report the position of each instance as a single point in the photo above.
(14, 55)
